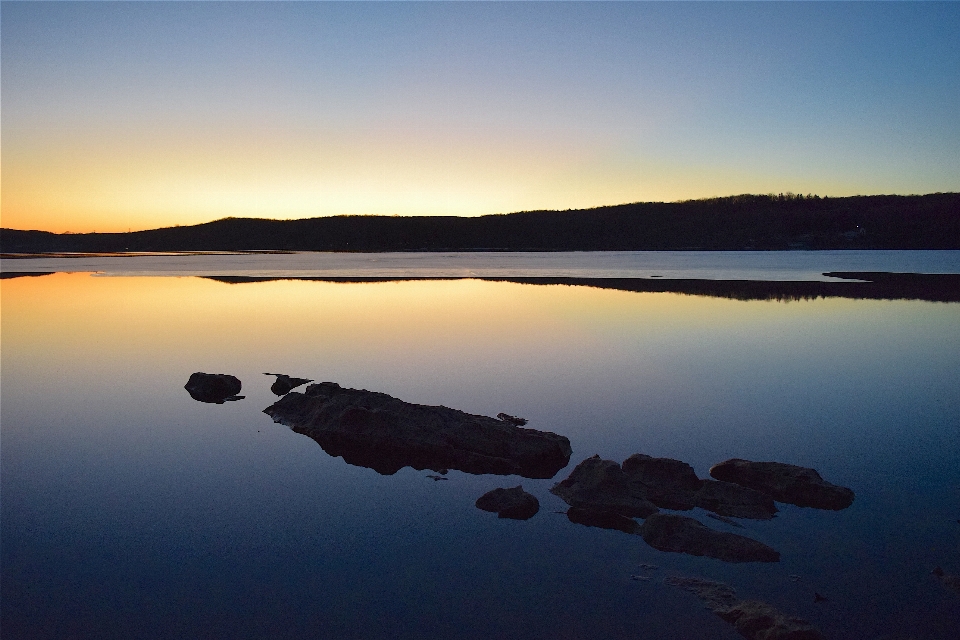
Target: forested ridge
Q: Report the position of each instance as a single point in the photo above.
(761, 222)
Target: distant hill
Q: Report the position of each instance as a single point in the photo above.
(762, 222)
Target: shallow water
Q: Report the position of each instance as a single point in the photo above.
(129, 510)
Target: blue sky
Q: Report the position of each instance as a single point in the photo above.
(137, 115)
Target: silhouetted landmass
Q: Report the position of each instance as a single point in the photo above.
(762, 222)
(930, 287)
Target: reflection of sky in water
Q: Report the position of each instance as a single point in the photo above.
(132, 510)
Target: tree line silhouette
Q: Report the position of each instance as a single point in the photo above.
(742, 222)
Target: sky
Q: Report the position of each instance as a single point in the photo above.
(120, 116)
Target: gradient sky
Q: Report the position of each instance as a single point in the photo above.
(121, 116)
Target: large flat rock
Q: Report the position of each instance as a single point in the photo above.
(378, 431)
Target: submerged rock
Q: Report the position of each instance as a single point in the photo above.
(215, 388)
(753, 619)
(669, 532)
(948, 580)
(602, 520)
(785, 483)
(378, 431)
(601, 485)
(513, 503)
(284, 384)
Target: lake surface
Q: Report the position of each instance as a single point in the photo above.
(131, 511)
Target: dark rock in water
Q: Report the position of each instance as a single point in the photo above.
(672, 484)
(667, 483)
(754, 620)
(716, 595)
(601, 485)
(785, 483)
(602, 519)
(215, 388)
(948, 580)
(514, 420)
(378, 431)
(512, 503)
(668, 532)
(728, 499)
(761, 621)
(284, 384)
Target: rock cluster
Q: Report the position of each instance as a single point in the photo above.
(753, 619)
(513, 503)
(643, 485)
(384, 433)
(215, 388)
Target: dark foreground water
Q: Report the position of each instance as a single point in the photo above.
(131, 511)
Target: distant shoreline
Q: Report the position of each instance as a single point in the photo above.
(736, 223)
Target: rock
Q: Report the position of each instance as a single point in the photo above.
(668, 532)
(761, 621)
(514, 420)
(754, 620)
(667, 483)
(215, 388)
(728, 499)
(284, 384)
(378, 431)
(785, 483)
(948, 580)
(514, 503)
(602, 519)
(601, 485)
(672, 484)
(716, 595)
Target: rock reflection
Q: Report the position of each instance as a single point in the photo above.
(383, 433)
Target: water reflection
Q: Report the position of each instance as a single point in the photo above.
(129, 506)
(867, 286)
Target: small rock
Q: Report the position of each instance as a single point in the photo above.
(948, 580)
(436, 478)
(785, 483)
(284, 384)
(819, 598)
(513, 503)
(668, 532)
(214, 388)
(641, 578)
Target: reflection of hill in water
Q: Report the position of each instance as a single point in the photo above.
(862, 286)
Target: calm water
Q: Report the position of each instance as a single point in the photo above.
(131, 511)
